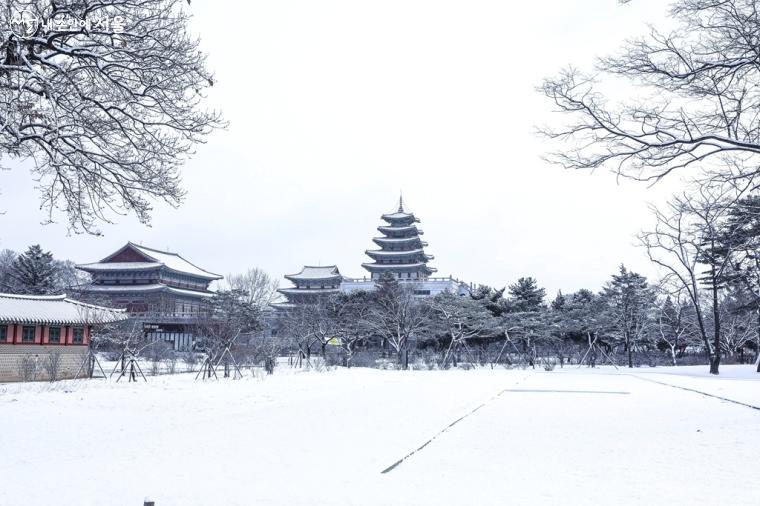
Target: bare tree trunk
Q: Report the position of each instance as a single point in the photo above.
(715, 362)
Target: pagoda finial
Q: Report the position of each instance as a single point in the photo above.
(400, 202)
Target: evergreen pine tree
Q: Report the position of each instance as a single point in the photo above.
(526, 295)
(629, 300)
(558, 304)
(34, 271)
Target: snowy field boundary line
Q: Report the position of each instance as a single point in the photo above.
(745, 404)
(439, 433)
(555, 391)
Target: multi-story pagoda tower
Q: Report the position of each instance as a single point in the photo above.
(401, 250)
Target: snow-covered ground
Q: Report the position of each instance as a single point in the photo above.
(571, 436)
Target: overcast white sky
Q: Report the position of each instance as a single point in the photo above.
(335, 106)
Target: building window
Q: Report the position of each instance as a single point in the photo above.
(54, 335)
(78, 335)
(27, 334)
(3, 333)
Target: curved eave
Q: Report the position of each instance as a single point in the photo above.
(120, 266)
(375, 267)
(392, 253)
(144, 266)
(412, 255)
(199, 273)
(385, 241)
(296, 277)
(396, 219)
(210, 276)
(131, 289)
(390, 230)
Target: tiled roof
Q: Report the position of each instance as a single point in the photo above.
(371, 266)
(172, 261)
(145, 288)
(54, 309)
(394, 253)
(316, 272)
(120, 266)
(405, 228)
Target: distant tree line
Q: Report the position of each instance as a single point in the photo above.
(630, 322)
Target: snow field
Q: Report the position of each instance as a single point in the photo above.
(570, 436)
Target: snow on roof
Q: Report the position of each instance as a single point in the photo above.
(175, 262)
(391, 253)
(400, 216)
(373, 265)
(120, 266)
(145, 288)
(389, 240)
(54, 309)
(172, 261)
(385, 228)
(316, 272)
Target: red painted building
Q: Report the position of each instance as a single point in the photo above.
(35, 327)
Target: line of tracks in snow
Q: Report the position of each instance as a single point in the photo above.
(700, 392)
(439, 433)
(518, 390)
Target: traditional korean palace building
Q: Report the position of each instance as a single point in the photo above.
(400, 252)
(158, 288)
(311, 283)
(34, 329)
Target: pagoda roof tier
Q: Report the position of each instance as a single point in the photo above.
(400, 217)
(111, 289)
(415, 253)
(384, 241)
(316, 273)
(407, 228)
(417, 266)
(139, 257)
